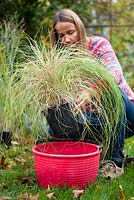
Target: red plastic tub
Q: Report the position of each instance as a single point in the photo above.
(66, 163)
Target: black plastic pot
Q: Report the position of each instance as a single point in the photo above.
(62, 121)
(6, 138)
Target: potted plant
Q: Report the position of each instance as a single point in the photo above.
(51, 77)
(50, 80)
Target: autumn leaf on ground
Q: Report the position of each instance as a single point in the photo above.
(34, 197)
(23, 196)
(3, 161)
(78, 193)
(28, 139)
(4, 198)
(3, 186)
(28, 149)
(20, 160)
(15, 143)
(97, 186)
(29, 171)
(48, 188)
(6, 164)
(24, 180)
(51, 195)
(122, 195)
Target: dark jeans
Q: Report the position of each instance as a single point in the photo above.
(129, 115)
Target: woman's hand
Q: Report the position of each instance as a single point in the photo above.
(83, 99)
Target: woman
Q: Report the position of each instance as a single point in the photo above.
(68, 30)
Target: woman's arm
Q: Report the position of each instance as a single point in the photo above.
(85, 98)
(104, 51)
(101, 48)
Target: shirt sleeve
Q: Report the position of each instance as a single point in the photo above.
(106, 54)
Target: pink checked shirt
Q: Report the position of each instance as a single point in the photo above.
(102, 48)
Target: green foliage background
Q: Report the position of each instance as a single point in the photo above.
(97, 15)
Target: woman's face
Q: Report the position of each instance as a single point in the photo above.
(67, 33)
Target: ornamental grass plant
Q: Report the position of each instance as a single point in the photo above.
(11, 35)
(53, 76)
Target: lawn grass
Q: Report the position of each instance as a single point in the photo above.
(17, 177)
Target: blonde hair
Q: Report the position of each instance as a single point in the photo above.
(67, 15)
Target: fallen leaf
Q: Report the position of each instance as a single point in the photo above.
(48, 188)
(28, 139)
(15, 143)
(34, 197)
(97, 186)
(3, 161)
(31, 180)
(78, 193)
(23, 196)
(21, 161)
(4, 164)
(27, 149)
(122, 195)
(4, 198)
(51, 195)
(28, 171)
(3, 186)
(24, 180)
(9, 166)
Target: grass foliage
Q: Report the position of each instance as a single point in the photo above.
(50, 77)
(11, 36)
